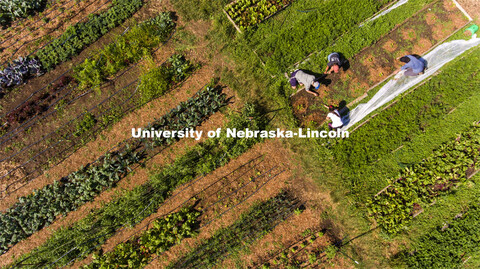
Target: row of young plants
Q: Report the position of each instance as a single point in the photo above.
(39, 209)
(306, 32)
(84, 236)
(69, 44)
(416, 187)
(248, 13)
(126, 49)
(409, 117)
(358, 38)
(164, 233)
(205, 206)
(11, 10)
(123, 51)
(450, 245)
(78, 131)
(258, 221)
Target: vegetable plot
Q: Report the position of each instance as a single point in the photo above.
(125, 50)
(448, 246)
(13, 9)
(138, 251)
(259, 220)
(80, 239)
(247, 13)
(416, 187)
(69, 44)
(33, 212)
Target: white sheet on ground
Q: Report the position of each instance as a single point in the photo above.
(437, 58)
(399, 3)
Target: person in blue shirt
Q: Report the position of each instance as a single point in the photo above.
(413, 66)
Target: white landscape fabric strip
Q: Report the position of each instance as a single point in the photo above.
(399, 3)
(436, 59)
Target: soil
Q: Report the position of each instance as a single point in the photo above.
(472, 7)
(30, 34)
(55, 148)
(373, 64)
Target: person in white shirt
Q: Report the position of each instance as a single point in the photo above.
(334, 116)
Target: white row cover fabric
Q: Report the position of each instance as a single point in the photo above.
(399, 3)
(437, 58)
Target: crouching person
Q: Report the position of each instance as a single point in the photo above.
(302, 78)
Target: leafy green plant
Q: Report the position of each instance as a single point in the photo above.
(13, 9)
(124, 50)
(87, 123)
(82, 34)
(446, 246)
(39, 209)
(419, 185)
(138, 251)
(248, 13)
(259, 220)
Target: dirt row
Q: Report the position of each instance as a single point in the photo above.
(417, 35)
(33, 33)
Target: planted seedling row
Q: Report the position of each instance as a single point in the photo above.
(39, 209)
(416, 187)
(260, 219)
(69, 44)
(201, 206)
(305, 252)
(66, 245)
(58, 144)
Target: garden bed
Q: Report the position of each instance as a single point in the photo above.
(373, 64)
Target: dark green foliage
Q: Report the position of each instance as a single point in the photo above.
(82, 34)
(447, 247)
(159, 80)
(124, 50)
(259, 220)
(13, 9)
(39, 209)
(306, 32)
(137, 252)
(411, 116)
(87, 123)
(142, 201)
(419, 185)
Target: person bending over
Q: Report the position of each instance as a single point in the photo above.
(302, 78)
(334, 63)
(413, 66)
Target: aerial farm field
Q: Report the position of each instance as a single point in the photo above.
(121, 141)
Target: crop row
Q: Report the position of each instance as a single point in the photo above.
(125, 50)
(248, 13)
(259, 220)
(78, 240)
(450, 164)
(13, 9)
(69, 44)
(353, 41)
(307, 32)
(76, 132)
(208, 205)
(409, 117)
(33, 212)
(118, 54)
(138, 251)
(449, 245)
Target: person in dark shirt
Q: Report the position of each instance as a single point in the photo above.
(334, 63)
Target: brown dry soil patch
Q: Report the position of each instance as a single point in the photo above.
(472, 7)
(58, 151)
(376, 63)
(31, 34)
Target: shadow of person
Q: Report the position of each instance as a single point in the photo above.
(344, 112)
(345, 63)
